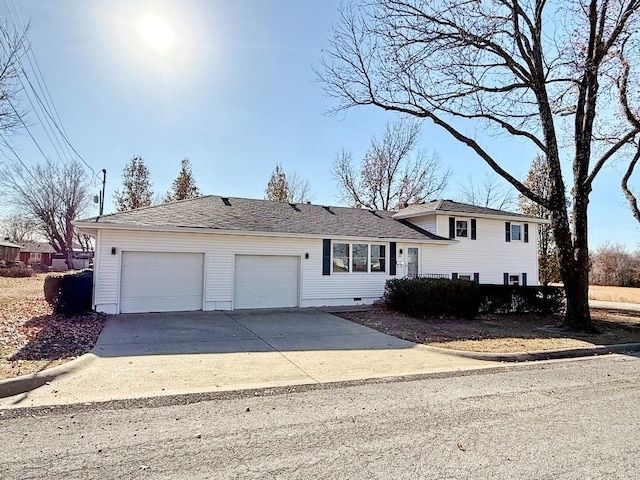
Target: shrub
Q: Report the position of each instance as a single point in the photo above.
(17, 272)
(424, 297)
(520, 299)
(70, 293)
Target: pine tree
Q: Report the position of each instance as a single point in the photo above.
(184, 186)
(136, 183)
(278, 187)
(538, 180)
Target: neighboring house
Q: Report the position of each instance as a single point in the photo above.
(37, 253)
(44, 254)
(219, 253)
(9, 252)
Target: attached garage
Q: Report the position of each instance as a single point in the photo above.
(266, 281)
(161, 282)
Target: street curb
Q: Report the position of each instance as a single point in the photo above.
(26, 383)
(542, 354)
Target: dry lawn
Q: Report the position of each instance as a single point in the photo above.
(614, 294)
(32, 338)
(502, 333)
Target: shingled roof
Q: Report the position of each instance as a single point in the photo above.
(449, 206)
(248, 215)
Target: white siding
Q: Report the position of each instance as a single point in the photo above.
(490, 255)
(428, 223)
(219, 252)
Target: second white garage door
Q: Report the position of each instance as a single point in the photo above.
(266, 281)
(161, 282)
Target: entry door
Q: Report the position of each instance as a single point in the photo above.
(412, 261)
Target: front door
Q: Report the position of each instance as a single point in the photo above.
(412, 261)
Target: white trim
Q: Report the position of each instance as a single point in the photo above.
(166, 228)
(447, 213)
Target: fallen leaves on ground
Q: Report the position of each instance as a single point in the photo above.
(32, 337)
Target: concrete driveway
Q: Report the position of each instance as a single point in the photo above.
(176, 353)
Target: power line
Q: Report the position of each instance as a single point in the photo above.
(42, 104)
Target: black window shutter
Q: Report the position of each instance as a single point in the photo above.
(526, 233)
(476, 277)
(392, 258)
(452, 227)
(507, 231)
(454, 276)
(524, 279)
(473, 229)
(505, 277)
(326, 256)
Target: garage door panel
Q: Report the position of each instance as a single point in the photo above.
(266, 281)
(161, 282)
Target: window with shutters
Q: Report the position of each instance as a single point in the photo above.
(516, 232)
(461, 228)
(358, 257)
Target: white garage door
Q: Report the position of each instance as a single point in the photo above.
(161, 282)
(266, 281)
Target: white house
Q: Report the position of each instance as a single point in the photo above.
(219, 253)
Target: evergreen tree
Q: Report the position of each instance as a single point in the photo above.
(136, 183)
(184, 186)
(538, 181)
(278, 187)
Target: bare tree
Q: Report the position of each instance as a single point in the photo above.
(19, 228)
(53, 194)
(614, 265)
(530, 70)
(488, 192)
(389, 177)
(12, 49)
(299, 189)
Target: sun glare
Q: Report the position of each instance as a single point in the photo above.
(156, 33)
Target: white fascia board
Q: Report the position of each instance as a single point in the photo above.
(93, 227)
(514, 218)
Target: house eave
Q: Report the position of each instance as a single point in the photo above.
(516, 218)
(91, 228)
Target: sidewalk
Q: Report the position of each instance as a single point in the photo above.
(630, 307)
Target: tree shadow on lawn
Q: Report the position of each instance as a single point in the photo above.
(503, 332)
(56, 337)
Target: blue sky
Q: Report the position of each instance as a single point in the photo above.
(236, 93)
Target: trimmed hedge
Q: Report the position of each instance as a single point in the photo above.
(424, 297)
(519, 299)
(69, 294)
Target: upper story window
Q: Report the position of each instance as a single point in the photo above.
(358, 257)
(461, 228)
(516, 232)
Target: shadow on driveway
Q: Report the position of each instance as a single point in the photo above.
(238, 331)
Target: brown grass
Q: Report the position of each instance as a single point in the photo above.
(502, 333)
(614, 294)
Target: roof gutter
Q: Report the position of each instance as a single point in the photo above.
(544, 221)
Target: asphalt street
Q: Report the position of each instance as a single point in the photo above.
(566, 419)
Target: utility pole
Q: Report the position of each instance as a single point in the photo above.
(104, 181)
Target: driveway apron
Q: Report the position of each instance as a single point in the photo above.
(146, 355)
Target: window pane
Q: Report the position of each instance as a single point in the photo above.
(378, 258)
(514, 279)
(340, 257)
(461, 228)
(360, 257)
(515, 232)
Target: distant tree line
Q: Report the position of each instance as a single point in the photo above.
(615, 265)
